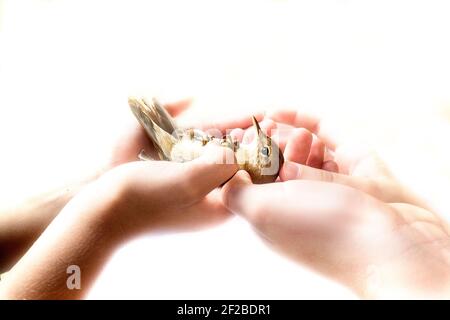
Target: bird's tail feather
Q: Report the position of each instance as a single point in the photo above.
(159, 125)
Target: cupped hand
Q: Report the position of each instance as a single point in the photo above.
(342, 162)
(347, 217)
(168, 196)
(128, 200)
(157, 189)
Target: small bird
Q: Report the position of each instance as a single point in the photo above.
(261, 158)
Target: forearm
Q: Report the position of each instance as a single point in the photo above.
(82, 235)
(21, 224)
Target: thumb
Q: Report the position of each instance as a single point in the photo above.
(295, 171)
(234, 193)
(212, 169)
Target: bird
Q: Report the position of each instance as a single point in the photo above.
(262, 158)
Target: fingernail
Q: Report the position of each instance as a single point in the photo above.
(290, 171)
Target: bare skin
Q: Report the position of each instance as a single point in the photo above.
(21, 224)
(119, 205)
(83, 232)
(350, 220)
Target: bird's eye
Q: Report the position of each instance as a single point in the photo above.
(265, 151)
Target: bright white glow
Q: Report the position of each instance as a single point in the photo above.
(380, 68)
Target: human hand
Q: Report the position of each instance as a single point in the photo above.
(162, 195)
(135, 139)
(132, 137)
(21, 224)
(133, 198)
(343, 221)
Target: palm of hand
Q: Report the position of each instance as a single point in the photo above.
(345, 215)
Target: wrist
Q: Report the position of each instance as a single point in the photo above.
(104, 201)
(83, 234)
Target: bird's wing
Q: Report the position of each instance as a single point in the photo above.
(152, 116)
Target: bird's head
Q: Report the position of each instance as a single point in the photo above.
(266, 159)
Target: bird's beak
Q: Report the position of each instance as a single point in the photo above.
(256, 125)
(260, 136)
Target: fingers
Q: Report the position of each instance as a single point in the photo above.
(224, 124)
(355, 160)
(295, 171)
(235, 196)
(282, 134)
(291, 206)
(209, 211)
(412, 213)
(299, 145)
(267, 126)
(330, 165)
(177, 107)
(296, 119)
(211, 170)
(316, 154)
(249, 135)
(237, 134)
(307, 121)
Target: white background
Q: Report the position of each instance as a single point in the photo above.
(379, 69)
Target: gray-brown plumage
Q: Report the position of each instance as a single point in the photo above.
(262, 158)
